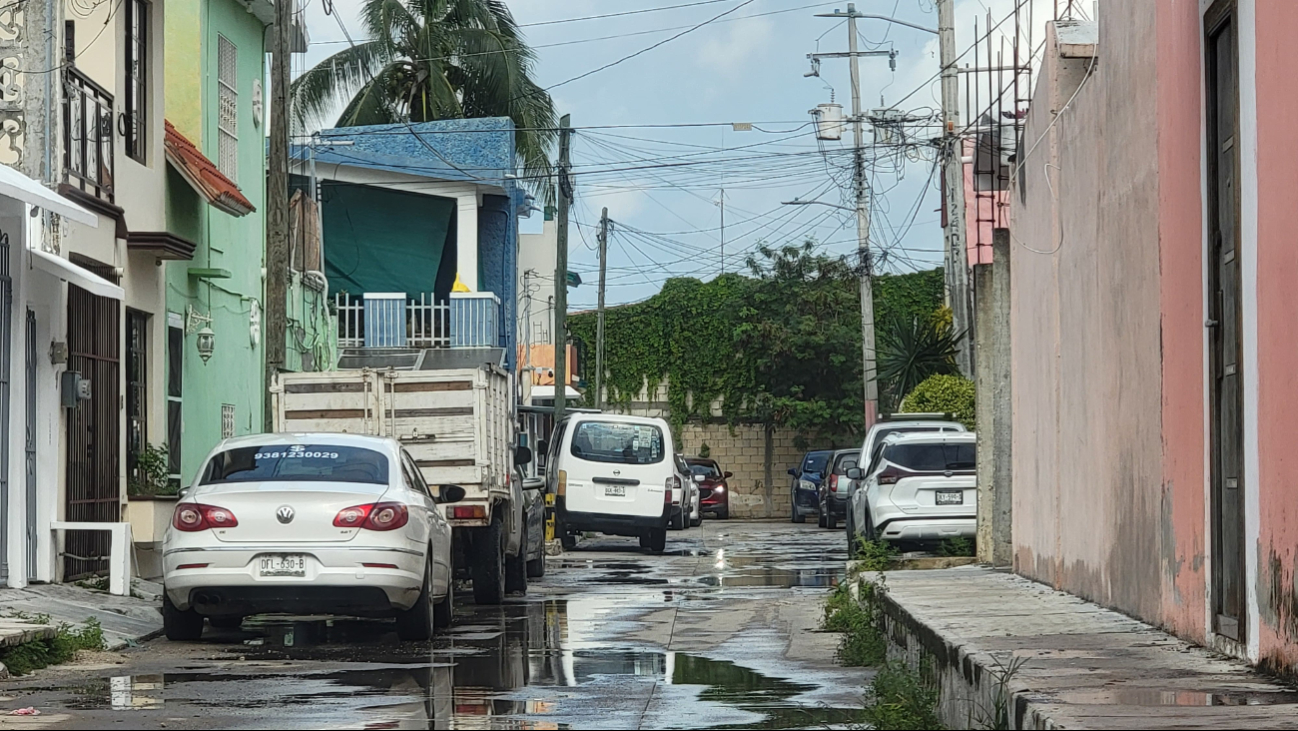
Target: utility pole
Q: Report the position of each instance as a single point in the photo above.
(599, 318)
(277, 228)
(723, 230)
(561, 276)
(865, 269)
(956, 260)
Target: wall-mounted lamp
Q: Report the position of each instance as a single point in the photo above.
(206, 343)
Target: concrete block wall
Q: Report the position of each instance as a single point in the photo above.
(742, 450)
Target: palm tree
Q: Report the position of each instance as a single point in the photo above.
(435, 59)
(911, 350)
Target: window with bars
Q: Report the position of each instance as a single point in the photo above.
(227, 421)
(227, 75)
(135, 120)
(175, 382)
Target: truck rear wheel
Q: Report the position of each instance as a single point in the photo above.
(516, 570)
(489, 564)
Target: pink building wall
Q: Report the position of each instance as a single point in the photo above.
(1111, 454)
(984, 211)
(1277, 335)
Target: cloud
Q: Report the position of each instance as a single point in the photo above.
(732, 49)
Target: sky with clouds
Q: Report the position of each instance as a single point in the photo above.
(655, 143)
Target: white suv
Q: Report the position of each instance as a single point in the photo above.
(918, 486)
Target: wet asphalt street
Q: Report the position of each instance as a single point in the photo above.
(720, 632)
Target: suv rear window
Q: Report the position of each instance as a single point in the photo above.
(932, 457)
(815, 462)
(845, 462)
(608, 441)
(298, 463)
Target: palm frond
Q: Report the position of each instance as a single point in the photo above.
(343, 74)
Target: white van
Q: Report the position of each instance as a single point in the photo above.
(613, 474)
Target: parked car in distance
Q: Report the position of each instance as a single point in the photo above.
(894, 424)
(684, 497)
(309, 523)
(835, 488)
(714, 486)
(613, 474)
(919, 487)
(805, 490)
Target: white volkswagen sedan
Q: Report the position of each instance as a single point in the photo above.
(309, 523)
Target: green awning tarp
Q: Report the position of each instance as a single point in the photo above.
(383, 240)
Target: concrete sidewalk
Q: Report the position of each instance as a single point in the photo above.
(1082, 666)
(124, 619)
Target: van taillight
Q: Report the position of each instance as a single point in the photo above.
(833, 483)
(562, 488)
(668, 486)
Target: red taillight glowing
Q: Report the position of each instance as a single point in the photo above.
(195, 517)
(374, 516)
(466, 512)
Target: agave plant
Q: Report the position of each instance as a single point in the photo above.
(912, 349)
(435, 59)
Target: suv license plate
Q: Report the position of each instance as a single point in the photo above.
(614, 491)
(950, 497)
(282, 564)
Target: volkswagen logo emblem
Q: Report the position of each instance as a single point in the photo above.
(284, 514)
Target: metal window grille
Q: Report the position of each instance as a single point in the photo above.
(135, 121)
(227, 73)
(227, 421)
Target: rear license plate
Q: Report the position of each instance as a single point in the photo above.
(949, 497)
(614, 491)
(282, 564)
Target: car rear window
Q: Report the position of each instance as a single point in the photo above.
(298, 463)
(607, 441)
(705, 470)
(845, 462)
(815, 462)
(932, 457)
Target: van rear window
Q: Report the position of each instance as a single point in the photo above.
(298, 463)
(607, 441)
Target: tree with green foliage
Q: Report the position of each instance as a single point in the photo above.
(943, 393)
(427, 60)
(913, 349)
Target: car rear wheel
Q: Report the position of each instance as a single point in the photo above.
(179, 626)
(820, 519)
(444, 611)
(416, 623)
(870, 533)
(226, 622)
(798, 517)
(851, 535)
(536, 567)
(830, 520)
(516, 571)
(679, 520)
(696, 522)
(724, 513)
(489, 564)
(657, 540)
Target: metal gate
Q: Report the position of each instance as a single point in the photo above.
(32, 532)
(94, 431)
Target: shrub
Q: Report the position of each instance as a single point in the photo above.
(63, 646)
(943, 394)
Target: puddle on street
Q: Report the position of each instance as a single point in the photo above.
(532, 665)
(1158, 697)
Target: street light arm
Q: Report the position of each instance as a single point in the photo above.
(906, 23)
(796, 202)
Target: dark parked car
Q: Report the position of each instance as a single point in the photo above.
(836, 490)
(806, 483)
(713, 486)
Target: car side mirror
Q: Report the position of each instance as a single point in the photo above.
(543, 446)
(793, 472)
(854, 474)
(522, 456)
(728, 475)
(699, 478)
(450, 493)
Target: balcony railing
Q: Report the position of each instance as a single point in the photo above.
(396, 320)
(87, 135)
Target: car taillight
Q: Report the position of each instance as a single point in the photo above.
(466, 512)
(889, 476)
(562, 488)
(374, 516)
(833, 483)
(192, 517)
(668, 486)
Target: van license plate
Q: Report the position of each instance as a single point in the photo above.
(614, 491)
(950, 497)
(283, 564)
